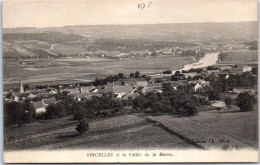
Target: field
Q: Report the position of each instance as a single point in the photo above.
(225, 129)
(112, 133)
(49, 71)
(237, 129)
(240, 57)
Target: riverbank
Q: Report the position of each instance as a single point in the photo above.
(208, 60)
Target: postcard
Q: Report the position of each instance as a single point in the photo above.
(130, 81)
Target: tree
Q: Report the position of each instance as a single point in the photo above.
(60, 110)
(167, 72)
(137, 74)
(121, 76)
(254, 70)
(167, 89)
(12, 113)
(245, 101)
(78, 111)
(25, 87)
(132, 75)
(83, 126)
(189, 109)
(228, 101)
(50, 111)
(212, 93)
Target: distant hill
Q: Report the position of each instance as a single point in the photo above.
(50, 37)
(174, 32)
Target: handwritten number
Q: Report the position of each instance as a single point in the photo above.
(150, 4)
(142, 5)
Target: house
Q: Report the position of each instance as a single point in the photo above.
(128, 95)
(25, 95)
(197, 87)
(117, 83)
(38, 107)
(203, 82)
(109, 89)
(47, 102)
(87, 89)
(227, 76)
(247, 68)
(145, 90)
(53, 92)
(95, 90)
(178, 51)
(120, 91)
(140, 90)
(141, 83)
(226, 67)
(16, 98)
(73, 90)
(10, 97)
(43, 95)
(31, 96)
(82, 96)
(190, 74)
(240, 90)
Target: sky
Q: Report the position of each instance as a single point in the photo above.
(57, 13)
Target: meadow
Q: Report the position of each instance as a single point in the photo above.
(57, 71)
(240, 57)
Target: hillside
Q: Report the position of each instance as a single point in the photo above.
(175, 32)
(45, 42)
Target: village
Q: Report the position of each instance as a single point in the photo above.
(124, 88)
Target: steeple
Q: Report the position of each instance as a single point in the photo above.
(21, 86)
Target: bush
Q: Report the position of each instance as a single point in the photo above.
(189, 109)
(167, 72)
(245, 101)
(83, 126)
(228, 101)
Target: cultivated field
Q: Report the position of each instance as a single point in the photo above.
(120, 132)
(225, 129)
(49, 71)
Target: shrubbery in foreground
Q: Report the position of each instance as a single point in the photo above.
(245, 101)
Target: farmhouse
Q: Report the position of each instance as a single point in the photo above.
(247, 68)
(120, 91)
(38, 107)
(47, 102)
(128, 95)
(87, 89)
(74, 90)
(227, 67)
(141, 83)
(197, 87)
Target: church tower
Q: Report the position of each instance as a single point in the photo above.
(21, 86)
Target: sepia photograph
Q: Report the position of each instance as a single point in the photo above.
(130, 81)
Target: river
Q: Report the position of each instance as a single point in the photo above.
(208, 60)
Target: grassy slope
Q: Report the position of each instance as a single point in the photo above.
(240, 57)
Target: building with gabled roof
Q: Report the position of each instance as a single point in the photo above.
(38, 107)
(87, 89)
(128, 95)
(120, 91)
(49, 101)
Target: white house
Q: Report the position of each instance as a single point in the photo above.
(141, 83)
(197, 87)
(247, 68)
(39, 108)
